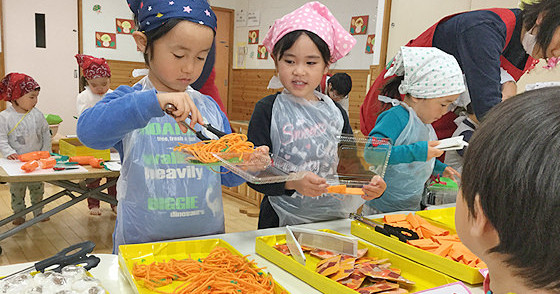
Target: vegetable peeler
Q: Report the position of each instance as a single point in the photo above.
(76, 254)
(169, 108)
(404, 234)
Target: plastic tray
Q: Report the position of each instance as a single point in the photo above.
(443, 216)
(424, 277)
(372, 154)
(455, 269)
(149, 252)
(263, 170)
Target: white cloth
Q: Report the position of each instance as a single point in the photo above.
(452, 158)
(87, 99)
(32, 133)
(428, 72)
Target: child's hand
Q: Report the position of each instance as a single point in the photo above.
(451, 173)
(13, 156)
(311, 185)
(375, 188)
(432, 151)
(185, 108)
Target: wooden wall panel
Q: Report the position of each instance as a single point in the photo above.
(121, 72)
(249, 86)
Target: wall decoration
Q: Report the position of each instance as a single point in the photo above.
(97, 8)
(359, 24)
(253, 18)
(241, 54)
(124, 26)
(106, 40)
(370, 42)
(254, 37)
(262, 53)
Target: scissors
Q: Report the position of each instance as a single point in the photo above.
(403, 234)
(76, 254)
(169, 108)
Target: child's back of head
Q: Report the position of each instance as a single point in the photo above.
(510, 177)
(341, 83)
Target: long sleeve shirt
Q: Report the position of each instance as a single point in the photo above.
(390, 124)
(29, 132)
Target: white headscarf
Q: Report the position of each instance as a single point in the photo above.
(428, 72)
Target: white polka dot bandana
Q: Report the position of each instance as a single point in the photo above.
(314, 17)
(428, 72)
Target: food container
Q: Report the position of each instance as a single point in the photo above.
(73, 147)
(424, 277)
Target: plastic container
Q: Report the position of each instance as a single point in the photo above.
(73, 147)
(442, 191)
(424, 277)
(147, 253)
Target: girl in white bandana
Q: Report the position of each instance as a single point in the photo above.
(428, 81)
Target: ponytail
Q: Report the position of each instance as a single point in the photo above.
(391, 90)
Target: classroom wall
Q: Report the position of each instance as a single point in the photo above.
(270, 10)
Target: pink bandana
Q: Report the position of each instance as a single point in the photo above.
(314, 17)
(15, 85)
(93, 67)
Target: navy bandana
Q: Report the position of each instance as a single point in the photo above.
(153, 13)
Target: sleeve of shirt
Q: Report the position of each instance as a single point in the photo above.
(258, 132)
(81, 103)
(390, 124)
(118, 113)
(46, 134)
(439, 167)
(5, 147)
(480, 62)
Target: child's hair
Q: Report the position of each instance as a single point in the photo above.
(550, 20)
(512, 166)
(341, 83)
(154, 35)
(469, 109)
(288, 40)
(391, 90)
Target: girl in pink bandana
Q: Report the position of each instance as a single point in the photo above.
(300, 124)
(96, 78)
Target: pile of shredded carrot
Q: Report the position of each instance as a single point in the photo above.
(220, 272)
(234, 143)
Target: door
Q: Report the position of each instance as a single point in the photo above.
(409, 18)
(224, 52)
(54, 66)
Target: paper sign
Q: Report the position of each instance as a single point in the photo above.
(240, 18)
(294, 247)
(453, 288)
(253, 18)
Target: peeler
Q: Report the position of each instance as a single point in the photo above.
(169, 108)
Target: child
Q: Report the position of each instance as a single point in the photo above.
(301, 125)
(97, 76)
(160, 197)
(23, 128)
(430, 80)
(507, 210)
(466, 125)
(338, 88)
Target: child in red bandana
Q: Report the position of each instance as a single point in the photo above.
(97, 76)
(23, 128)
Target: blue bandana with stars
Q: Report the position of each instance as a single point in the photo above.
(153, 13)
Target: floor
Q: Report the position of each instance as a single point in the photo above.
(74, 225)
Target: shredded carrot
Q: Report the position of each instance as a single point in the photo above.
(235, 144)
(220, 272)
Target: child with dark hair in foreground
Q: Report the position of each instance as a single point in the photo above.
(508, 210)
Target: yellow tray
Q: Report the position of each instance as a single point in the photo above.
(149, 252)
(449, 267)
(443, 216)
(424, 277)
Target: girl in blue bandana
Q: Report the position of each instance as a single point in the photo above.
(159, 196)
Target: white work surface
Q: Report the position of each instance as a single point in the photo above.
(13, 168)
(115, 282)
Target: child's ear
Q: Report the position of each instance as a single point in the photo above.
(481, 227)
(326, 70)
(141, 40)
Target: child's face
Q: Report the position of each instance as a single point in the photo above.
(179, 56)
(430, 110)
(99, 86)
(462, 224)
(27, 101)
(301, 68)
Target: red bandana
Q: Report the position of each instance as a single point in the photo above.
(93, 67)
(15, 85)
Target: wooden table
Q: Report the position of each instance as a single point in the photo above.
(74, 185)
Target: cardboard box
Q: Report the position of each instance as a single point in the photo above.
(73, 147)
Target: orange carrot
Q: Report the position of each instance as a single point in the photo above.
(96, 162)
(81, 160)
(47, 162)
(30, 166)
